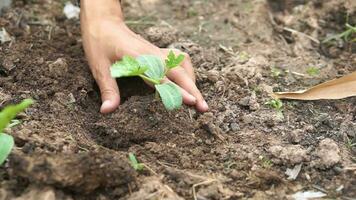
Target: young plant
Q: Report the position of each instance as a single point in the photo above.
(6, 117)
(313, 71)
(134, 163)
(277, 105)
(346, 35)
(275, 72)
(152, 69)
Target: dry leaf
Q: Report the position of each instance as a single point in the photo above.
(335, 89)
(293, 173)
(308, 195)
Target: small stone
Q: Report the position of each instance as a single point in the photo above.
(162, 36)
(348, 128)
(213, 75)
(295, 136)
(58, 68)
(247, 119)
(328, 153)
(244, 101)
(253, 104)
(290, 154)
(234, 126)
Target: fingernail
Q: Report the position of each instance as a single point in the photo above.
(205, 106)
(106, 106)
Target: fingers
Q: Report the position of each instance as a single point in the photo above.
(108, 87)
(181, 77)
(187, 65)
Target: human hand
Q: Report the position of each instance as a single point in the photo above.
(107, 39)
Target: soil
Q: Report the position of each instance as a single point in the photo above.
(240, 149)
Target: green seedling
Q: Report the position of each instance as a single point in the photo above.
(266, 163)
(6, 120)
(350, 144)
(349, 35)
(313, 71)
(277, 105)
(152, 69)
(275, 72)
(134, 163)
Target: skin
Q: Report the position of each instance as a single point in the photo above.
(107, 39)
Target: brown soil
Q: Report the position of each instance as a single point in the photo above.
(240, 149)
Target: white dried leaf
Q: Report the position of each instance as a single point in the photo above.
(71, 11)
(4, 36)
(293, 173)
(306, 195)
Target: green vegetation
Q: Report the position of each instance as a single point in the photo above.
(275, 72)
(349, 35)
(277, 105)
(265, 162)
(350, 144)
(6, 120)
(153, 70)
(313, 71)
(134, 163)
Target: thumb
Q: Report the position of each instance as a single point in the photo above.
(108, 87)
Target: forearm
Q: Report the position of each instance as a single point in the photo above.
(98, 9)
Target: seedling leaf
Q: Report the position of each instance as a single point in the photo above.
(275, 103)
(173, 60)
(313, 71)
(128, 66)
(6, 144)
(170, 95)
(9, 112)
(155, 65)
(134, 163)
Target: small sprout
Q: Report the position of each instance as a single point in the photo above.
(6, 120)
(346, 35)
(192, 12)
(134, 163)
(277, 105)
(275, 72)
(350, 143)
(153, 70)
(243, 56)
(266, 163)
(313, 71)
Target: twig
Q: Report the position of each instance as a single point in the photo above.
(150, 169)
(303, 34)
(199, 184)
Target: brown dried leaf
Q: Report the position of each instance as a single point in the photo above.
(335, 89)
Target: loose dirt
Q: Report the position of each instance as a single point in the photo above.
(240, 149)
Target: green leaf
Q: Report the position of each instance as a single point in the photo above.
(128, 66)
(173, 61)
(6, 144)
(134, 163)
(156, 69)
(10, 112)
(170, 95)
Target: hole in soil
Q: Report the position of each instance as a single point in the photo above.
(282, 5)
(129, 87)
(133, 86)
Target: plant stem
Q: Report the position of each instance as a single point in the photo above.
(155, 82)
